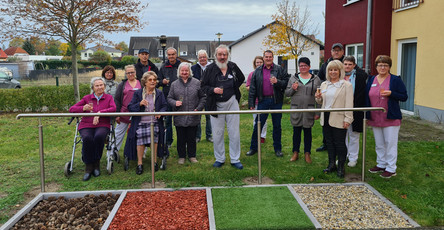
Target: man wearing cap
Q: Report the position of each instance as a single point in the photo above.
(144, 64)
(337, 53)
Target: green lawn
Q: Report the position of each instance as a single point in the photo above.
(258, 208)
(417, 190)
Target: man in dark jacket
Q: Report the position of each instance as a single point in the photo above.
(221, 82)
(167, 75)
(337, 53)
(198, 70)
(268, 84)
(144, 64)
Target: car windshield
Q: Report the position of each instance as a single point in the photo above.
(3, 75)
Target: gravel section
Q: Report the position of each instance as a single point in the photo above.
(349, 207)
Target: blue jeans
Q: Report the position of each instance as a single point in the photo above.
(268, 104)
(207, 128)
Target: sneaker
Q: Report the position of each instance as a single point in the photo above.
(352, 164)
(181, 161)
(387, 174)
(262, 140)
(197, 140)
(237, 165)
(210, 139)
(218, 164)
(193, 160)
(376, 169)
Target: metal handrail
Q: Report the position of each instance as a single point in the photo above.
(41, 115)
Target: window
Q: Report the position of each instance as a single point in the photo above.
(350, 2)
(160, 53)
(356, 50)
(312, 53)
(183, 53)
(400, 5)
(86, 54)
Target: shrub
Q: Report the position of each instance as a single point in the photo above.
(40, 98)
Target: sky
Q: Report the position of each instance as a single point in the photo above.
(200, 20)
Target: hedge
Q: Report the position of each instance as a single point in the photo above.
(40, 98)
(66, 64)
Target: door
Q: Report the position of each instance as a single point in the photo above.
(408, 70)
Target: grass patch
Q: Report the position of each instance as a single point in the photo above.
(258, 208)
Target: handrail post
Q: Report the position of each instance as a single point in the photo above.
(364, 142)
(153, 157)
(259, 162)
(42, 160)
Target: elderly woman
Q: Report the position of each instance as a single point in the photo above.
(302, 88)
(124, 94)
(186, 95)
(109, 76)
(257, 61)
(94, 130)
(385, 90)
(147, 99)
(335, 93)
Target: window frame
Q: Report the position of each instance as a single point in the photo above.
(355, 54)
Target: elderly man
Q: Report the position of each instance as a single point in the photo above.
(144, 64)
(198, 70)
(337, 53)
(167, 75)
(221, 82)
(268, 84)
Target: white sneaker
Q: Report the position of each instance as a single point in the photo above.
(181, 161)
(352, 164)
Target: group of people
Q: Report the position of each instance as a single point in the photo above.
(216, 87)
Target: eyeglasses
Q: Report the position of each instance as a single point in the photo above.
(336, 50)
(151, 79)
(130, 72)
(303, 66)
(382, 66)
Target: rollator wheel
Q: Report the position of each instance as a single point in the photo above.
(126, 164)
(116, 156)
(67, 169)
(110, 167)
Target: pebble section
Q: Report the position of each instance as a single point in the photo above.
(349, 207)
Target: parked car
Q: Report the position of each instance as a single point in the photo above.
(6, 81)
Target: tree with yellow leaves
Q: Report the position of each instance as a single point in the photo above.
(290, 31)
(75, 21)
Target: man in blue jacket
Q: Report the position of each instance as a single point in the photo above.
(268, 84)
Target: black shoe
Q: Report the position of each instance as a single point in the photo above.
(163, 165)
(156, 167)
(330, 168)
(86, 176)
(251, 152)
(139, 169)
(279, 154)
(322, 148)
(96, 172)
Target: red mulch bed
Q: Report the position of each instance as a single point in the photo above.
(185, 209)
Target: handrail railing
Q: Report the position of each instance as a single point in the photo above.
(41, 115)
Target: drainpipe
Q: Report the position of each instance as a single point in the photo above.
(368, 37)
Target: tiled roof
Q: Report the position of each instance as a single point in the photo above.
(14, 50)
(3, 55)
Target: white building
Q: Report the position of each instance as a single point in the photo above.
(87, 53)
(251, 45)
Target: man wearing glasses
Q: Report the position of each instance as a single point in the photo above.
(221, 82)
(144, 64)
(337, 53)
(268, 84)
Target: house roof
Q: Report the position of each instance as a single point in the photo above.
(264, 27)
(15, 50)
(3, 55)
(105, 48)
(151, 43)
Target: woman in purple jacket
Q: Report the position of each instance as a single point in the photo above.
(94, 130)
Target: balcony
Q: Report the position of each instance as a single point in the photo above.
(399, 5)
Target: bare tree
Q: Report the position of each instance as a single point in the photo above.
(75, 21)
(288, 32)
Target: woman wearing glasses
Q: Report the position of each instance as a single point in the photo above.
(147, 99)
(385, 90)
(124, 94)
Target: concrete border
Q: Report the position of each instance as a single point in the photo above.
(304, 207)
(210, 206)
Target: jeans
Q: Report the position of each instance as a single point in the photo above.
(186, 143)
(268, 104)
(207, 128)
(335, 140)
(93, 142)
(297, 139)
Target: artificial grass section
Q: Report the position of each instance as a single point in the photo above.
(258, 208)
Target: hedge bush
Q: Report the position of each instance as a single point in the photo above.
(40, 98)
(66, 64)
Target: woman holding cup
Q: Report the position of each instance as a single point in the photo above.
(385, 90)
(301, 89)
(186, 95)
(94, 130)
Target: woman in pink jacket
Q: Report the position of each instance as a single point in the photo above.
(94, 130)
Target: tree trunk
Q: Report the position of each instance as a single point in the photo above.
(296, 65)
(75, 80)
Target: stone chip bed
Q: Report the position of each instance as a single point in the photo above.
(350, 207)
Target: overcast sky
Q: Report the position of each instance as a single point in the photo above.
(201, 20)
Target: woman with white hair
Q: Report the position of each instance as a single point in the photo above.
(186, 95)
(334, 93)
(94, 130)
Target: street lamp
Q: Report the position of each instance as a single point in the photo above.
(219, 34)
(163, 44)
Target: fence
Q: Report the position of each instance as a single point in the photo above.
(40, 127)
